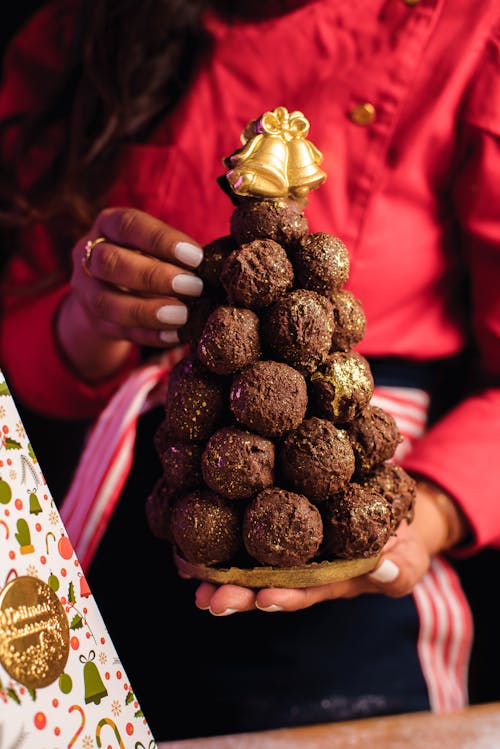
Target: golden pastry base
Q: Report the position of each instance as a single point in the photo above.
(315, 573)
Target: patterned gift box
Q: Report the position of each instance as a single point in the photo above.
(62, 685)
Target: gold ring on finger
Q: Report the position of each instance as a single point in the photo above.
(87, 254)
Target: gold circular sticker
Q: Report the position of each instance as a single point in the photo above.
(34, 632)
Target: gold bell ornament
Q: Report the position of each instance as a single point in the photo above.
(276, 160)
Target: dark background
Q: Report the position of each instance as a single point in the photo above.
(17, 12)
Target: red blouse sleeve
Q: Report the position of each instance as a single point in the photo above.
(35, 369)
(462, 451)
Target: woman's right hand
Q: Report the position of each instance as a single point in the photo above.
(129, 290)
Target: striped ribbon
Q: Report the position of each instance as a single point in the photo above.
(107, 457)
(446, 627)
(445, 633)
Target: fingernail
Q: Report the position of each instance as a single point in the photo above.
(168, 336)
(188, 285)
(172, 314)
(271, 608)
(386, 573)
(226, 612)
(188, 254)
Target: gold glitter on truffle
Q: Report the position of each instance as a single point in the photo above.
(298, 329)
(281, 220)
(194, 403)
(397, 487)
(344, 386)
(34, 632)
(321, 263)
(350, 320)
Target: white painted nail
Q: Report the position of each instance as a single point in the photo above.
(172, 314)
(226, 612)
(187, 285)
(189, 254)
(273, 607)
(168, 336)
(386, 573)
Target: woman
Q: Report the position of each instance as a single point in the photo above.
(116, 118)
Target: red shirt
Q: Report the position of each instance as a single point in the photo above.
(413, 189)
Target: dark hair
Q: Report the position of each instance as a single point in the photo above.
(129, 63)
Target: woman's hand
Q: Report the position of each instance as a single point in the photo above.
(130, 289)
(404, 561)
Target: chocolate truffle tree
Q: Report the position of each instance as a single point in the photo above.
(276, 467)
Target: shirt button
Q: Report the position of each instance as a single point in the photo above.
(363, 114)
(411, 2)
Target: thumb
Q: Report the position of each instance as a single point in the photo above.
(401, 567)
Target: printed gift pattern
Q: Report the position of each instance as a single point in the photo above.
(62, 685)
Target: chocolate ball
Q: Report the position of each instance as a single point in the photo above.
(297, 329)
(158, 510)
(195, 403)
(374, 436)
(397, 487)
(342, 387)
(161, 438)
(280, 220)
(230, 340)
(281, 528)
(357, 523)
(237, 464)
(256, 274)
(199, 311)
(206, 528)
(269, 398)
(350, 320)
(181, 465)
(321, 263)
(214, 255)
(316, 459)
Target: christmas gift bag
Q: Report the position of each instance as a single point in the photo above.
(62, 685)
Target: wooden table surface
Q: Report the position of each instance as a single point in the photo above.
(476, 727)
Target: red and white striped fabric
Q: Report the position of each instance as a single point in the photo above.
(106, 460)
(445, 636)
(445, 633)
(409, 406)
(446, 628)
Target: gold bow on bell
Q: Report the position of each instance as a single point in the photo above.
(276, 160)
